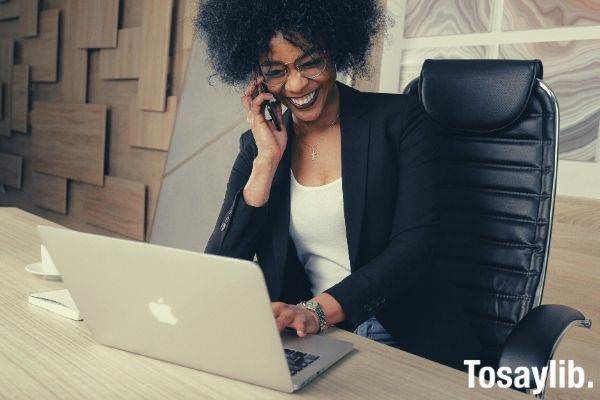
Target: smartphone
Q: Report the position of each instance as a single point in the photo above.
(261, 89)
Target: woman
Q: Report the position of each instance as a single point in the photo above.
(339, 206)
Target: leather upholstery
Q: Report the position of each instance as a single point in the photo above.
(494, 98)
(533, 341)
(498, 167)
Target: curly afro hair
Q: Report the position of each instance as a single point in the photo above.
(238, 32)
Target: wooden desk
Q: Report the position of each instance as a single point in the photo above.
(45, 356)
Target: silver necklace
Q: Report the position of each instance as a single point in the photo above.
(313, 147)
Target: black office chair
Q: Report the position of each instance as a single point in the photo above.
(499, 161)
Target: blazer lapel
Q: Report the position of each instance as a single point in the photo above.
(355, 133)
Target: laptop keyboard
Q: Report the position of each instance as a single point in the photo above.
(298, 360)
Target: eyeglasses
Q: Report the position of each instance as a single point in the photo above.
(310, 65)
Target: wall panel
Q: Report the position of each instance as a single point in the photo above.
(68, 140)
(450, 17)
(9, 10)
(118, 206)
(123, 62)
(49, 192)
(19, 107)
(71, 86)
(11, 170)
(41, 52)
(154, 57)
(153, 129)
(96, 23)
(29, 12)
(541, 14)
(7, 47)
(74, 61)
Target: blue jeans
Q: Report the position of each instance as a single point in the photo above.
(372, 329)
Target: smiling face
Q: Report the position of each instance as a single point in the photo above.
(310, 100)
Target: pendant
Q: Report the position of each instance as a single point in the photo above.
(313, 154)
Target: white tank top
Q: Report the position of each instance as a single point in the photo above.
(318, 229)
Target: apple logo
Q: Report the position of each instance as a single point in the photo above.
(162, 312)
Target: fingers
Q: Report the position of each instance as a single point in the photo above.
(251, 89)
(252, 86)
(254, 106)
(291, 316)
(285, 318)
(247, 97)
(256, 103)
(277, 307)
(300, 324)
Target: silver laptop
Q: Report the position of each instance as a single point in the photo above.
(198, 310)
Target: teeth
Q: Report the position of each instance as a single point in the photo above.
(303, 100)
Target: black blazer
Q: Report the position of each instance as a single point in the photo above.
(390, 178)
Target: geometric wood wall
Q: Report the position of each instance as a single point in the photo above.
(154, 54)
(122, 62)
(11, 170)
(41, 51)
(49, 192)
(7, 46)
(19, 84)
(96, 86)
(117, 206)
(69, 140)
(96, 24)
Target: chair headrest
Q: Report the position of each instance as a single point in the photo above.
(477, 95)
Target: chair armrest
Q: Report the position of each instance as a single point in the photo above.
(534, 340)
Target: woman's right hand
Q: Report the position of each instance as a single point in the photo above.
(271, 143)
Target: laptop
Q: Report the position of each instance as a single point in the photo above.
(197, 310)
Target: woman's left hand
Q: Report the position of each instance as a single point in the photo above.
(299, 318)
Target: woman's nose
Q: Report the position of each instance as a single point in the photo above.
(295, 83)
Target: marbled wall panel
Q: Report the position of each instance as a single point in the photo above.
(447, 17)
(541, 14)
(572, 70)
(412, 59)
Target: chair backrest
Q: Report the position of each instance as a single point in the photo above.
(499, 160)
